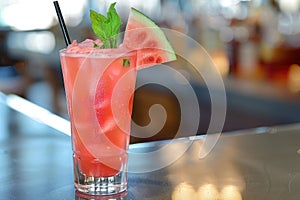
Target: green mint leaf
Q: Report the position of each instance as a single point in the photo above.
(97, 21)
(126, 62)
(106, 28)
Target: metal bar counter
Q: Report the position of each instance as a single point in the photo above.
(257, 164)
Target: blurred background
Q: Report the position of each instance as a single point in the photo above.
(255, 45)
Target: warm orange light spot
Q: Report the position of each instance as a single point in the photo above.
(294, 78)
(208, 192)
(230, 192)
(184, 191)
(221, 62)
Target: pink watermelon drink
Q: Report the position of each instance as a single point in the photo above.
(114, 82)
(100, 135)
(99, 79)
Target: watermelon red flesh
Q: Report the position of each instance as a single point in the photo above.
(143, 35)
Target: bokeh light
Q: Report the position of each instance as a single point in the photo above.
(40, 14)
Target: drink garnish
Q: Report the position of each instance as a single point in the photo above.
(141, 35)
(106, 28)
(126, 62)
(148, 39)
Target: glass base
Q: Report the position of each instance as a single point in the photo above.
(119, 196)
(100, 185)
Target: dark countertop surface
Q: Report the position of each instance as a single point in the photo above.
(261, 163)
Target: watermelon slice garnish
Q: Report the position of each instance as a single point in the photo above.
(143, 35)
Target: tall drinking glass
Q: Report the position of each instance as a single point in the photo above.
(99, 86)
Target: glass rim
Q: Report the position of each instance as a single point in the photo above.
(99, 53)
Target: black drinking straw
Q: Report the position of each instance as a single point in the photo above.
(62, 23)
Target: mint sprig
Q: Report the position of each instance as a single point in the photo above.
(106, 28)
